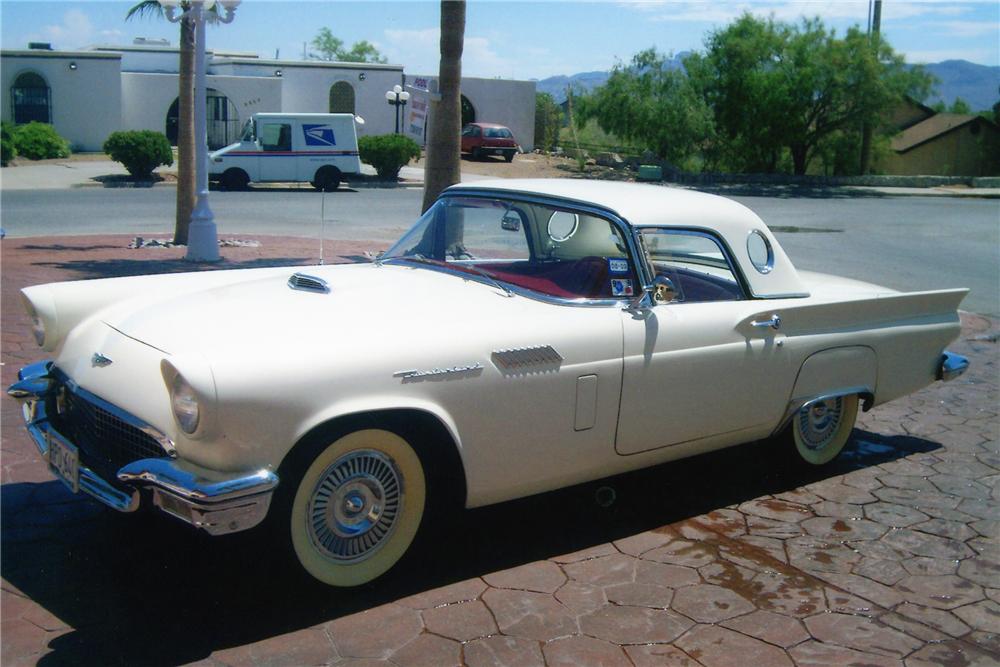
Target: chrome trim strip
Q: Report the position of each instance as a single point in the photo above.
(184, 482)
(866, 394)
(951, 366)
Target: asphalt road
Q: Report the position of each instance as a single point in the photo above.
(907, 243)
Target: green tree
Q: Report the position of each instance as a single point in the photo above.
(651, 105)
(775, 87)
(960, 106)
(332, 48)
(548, 121)
(444, 164)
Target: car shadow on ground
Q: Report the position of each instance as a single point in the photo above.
(146, 589)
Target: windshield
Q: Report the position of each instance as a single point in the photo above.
(497, 133)
(546, 249)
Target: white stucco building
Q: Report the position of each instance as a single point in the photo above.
(88, 94)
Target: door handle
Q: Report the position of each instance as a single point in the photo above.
(773, 323)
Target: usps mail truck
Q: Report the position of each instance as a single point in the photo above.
(319, 148)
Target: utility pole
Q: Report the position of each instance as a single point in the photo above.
(866, 130)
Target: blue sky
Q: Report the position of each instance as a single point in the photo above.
(519, 40)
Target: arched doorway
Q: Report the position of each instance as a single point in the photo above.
(222, 121)
(468, 111)
(341, 98)
(31, 99)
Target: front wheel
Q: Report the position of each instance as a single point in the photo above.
(509, 157)
(357, 507)
(820, 429)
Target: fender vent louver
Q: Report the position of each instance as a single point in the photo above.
(307, 283)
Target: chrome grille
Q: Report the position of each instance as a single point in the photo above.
(106, 441)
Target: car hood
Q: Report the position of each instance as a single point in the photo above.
(263, 315)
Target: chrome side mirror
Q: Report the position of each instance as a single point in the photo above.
(664, 290)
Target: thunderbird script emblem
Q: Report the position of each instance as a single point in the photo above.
(100, 360)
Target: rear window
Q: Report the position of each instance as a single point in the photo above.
(498, 133)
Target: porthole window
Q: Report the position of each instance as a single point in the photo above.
(562, 226)
(760, 251)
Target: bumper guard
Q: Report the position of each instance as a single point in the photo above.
(216, 502)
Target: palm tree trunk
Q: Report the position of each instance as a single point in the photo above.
(185, 135)
(444, 165)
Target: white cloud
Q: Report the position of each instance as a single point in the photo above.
(75, 31)
(970, 28)
(847, 11)
(420, 51)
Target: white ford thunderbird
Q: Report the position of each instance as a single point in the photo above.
(522, 336)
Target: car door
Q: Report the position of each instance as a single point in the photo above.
(708, 363)
(277, 161)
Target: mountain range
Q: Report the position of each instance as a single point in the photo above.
(978, 85)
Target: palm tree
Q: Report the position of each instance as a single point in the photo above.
(185, 122)
(444, 165)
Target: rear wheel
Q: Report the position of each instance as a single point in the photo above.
(820, 429)
(235, 179)
(357, 506)
(327, 179)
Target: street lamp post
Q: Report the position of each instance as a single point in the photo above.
(397, 97)
(203, 239)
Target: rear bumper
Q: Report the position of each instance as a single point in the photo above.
(215, 502)
(951, 366)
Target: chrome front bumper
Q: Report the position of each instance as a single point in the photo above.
(952, 365)
(215, 502)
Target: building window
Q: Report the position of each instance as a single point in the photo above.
(341, 98)
(31, 98)
(222, 120)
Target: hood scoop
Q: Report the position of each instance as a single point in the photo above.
(307, 283)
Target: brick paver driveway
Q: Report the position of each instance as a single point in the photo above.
(890, 557)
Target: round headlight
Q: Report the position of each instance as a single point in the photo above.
(185, 405)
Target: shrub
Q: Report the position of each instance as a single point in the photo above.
(388, 153)
(141, 151)
(7, 150)
(39, 141)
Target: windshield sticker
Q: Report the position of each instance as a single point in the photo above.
(621, 287)
(618, 265)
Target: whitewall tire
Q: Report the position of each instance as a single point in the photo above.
(357, 507)
(820, 430)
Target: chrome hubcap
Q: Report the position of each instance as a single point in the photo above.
(353, 509)
(818, 422)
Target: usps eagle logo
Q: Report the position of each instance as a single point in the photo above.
(319, 135)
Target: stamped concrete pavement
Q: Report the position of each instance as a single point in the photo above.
(889, 557)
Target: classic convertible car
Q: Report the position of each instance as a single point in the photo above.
(522, 336)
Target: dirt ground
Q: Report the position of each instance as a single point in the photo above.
(533, 165)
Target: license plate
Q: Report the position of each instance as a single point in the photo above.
(497, 151)
(64, 461)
